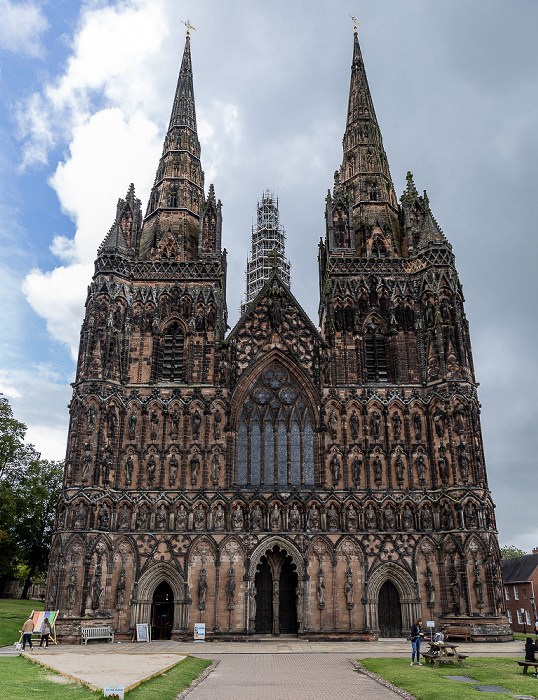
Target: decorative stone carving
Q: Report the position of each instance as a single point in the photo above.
(217, 418)
(162, 518)
(151, 467)
(123, 518)
(202, 589)
(320, 589)
(129, 467)
(370, 519)
(333, 425)
(356, 469)
(354, 424)
(351, 519)
(230, 588)
(215, 469)
(430, 588)
(313, 518)
(275, 517)
(103, 517)
(294, 518)
(238, 518)
(181, 518)
(335, 469)
(407, 518)
(133, 418)
(375, 424)
(173, 467)
(120, 590)
(199, 518)
(196, 420)
(72, 588)
(417, 425)
(332, 518)
(378, 471)
(256, 517)
(396, 426)
(195, 469)
(348, 589)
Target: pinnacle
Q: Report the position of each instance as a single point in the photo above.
(183, 111)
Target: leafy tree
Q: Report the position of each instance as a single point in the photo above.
(511, 551)
(12, 434)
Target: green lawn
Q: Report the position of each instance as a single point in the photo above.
(13, 613)
(22, 679)
(427, 683)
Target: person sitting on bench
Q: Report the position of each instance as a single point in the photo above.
(530, 649)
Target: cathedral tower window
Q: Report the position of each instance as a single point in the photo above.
(172, 201)
(375, 351)
(275, 437)
(173, 342)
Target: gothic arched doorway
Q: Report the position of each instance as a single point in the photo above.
(276, 584)
(162, 612)
(389, 611)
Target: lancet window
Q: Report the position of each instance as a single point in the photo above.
(376, 355)
(173, 354)
(275, 433)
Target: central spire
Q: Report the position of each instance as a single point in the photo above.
(183, 111)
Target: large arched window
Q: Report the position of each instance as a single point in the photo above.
(173, 354)
(376, 354)
(275, 436)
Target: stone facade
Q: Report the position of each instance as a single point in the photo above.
(280, 479)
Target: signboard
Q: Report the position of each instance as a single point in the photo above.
(114, 691)
(430, 623)
(199, 631)
(142, 632)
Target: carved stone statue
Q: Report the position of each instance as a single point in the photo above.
(151, 468)
(133, 418)
(375, 424)
(351, 519)
(86, 466)
(407, 518)
(181, 517)
(108, 468)
(202, 589)
(175, 418)
(173, 468)
(470, 515)
(142, 519)
(335, 469)
(370, 518)
(72, 588)
(426, 519)
(112, 421)
(162, 518)
(442, 464)
(275, 518)
(459, 423)
(103, 517)
(238, 518)
(421, 469)
(356, 468)
(448, 518)
(396, 426)
(320, 590)
(439, 418)
(332, 518)
(230, 589)
(129, 466)
(417, 425)
(378, 471)
(348, 592)
(215, 469)
(256, 518)
(195, 469)
(354, 424)
(80, 516)
(333, 425)
(399, 467)
(123, 520)
(217, 418)
(120, 591)
(313, 518)
(90, 418)
(294, 518)
(252, 606)
(219, 518)
(199, 518)
(97, 588)
(464, 463)
(430, 587)
(196, 420)
(389, 518)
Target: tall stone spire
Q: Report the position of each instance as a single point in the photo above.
(172, 225)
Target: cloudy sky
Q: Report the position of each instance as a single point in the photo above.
(87, 90)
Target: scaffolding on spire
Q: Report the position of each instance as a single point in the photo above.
(268, 249)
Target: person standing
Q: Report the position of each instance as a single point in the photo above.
(414, 638)
(45, 633)
(27, 630)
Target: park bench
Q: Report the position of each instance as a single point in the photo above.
(461, 632)
(526, 665)
(96, 633)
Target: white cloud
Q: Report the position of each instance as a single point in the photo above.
(21, 27)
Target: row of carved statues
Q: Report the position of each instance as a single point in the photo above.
(332, 517)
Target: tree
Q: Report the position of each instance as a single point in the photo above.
(12, 434)
(510, 551)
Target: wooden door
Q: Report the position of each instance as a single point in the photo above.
(264, 598)
(389, 611)
(287, 614)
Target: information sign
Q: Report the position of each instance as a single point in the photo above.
(199, 631)
(114, 691)
(142, 632)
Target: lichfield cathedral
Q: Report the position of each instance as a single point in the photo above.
(285, 478)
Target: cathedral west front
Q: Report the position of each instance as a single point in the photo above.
(285, 477)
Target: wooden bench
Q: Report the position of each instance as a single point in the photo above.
(462, 632)
(96, 633)
(526, 665)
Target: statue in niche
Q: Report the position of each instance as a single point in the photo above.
(333, 425)
(211, 318)
(230, 589)
(217, 419)
(474, 418)
(396, 426)
(195, 469)
(478, 586)
(91, 418)
(348, 589)
(133, 418)
(421, 469)
(200, 320)
(238, 518)
(142, 518)
(313, 518)
(275, 518)
(370, 518)
(479, 465)
(378, 471)
(430, 587)
(129, 466)
(97, 588)
(103, 517)
(446, 315)
(275, 312)
(389, 518)
(162, 518)
(154, 423)
(426, 519)
(219, 518)
(196, 420)
(112, 421)
(375, 424)
(320, 589)
(256, 517)
(407, 518)
(175, 418)
(459, 423)
(72, 588)
(123, 520)
(417, 425)
(120, 591)
(335, 469)
(80, 516)
(173, 468)
(454, 588)
(399, 467)
(151, 469)
(349, 315)
(69, 470)
(464, 463)
(354, 423)
(215, 469)
(351, 519)
(442, 464)
(439, 421)
(252, 606)
(448, 518)
(202, 589)
(332, 517)
(356, 469)
(470, 515)
(108, 467)
(429, 313)
(199, 518)
(86, 466)
(295, 518)
(181, 517)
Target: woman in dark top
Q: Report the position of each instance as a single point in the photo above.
(530, 649)
(414, 637)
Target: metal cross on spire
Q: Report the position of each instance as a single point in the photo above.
(355, 23)
(189, 26)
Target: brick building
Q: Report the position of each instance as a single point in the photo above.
(283, 478)
(520, 577)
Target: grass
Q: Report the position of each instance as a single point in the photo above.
(22, 679)
(428, 683)
(13, 613)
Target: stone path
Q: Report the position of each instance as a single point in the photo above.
(288, 677)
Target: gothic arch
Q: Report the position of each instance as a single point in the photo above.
(267, 545)
(143, 596)
(411, 604)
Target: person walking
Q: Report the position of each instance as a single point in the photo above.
(45, 633)
(27, 630)
(414, 638)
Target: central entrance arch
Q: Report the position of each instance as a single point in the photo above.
(162, 612)
(389, 611)
(276, 589)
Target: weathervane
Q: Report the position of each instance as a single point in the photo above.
(355, 23)
(189, 26)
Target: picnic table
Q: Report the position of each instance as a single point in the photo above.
(445, 652)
